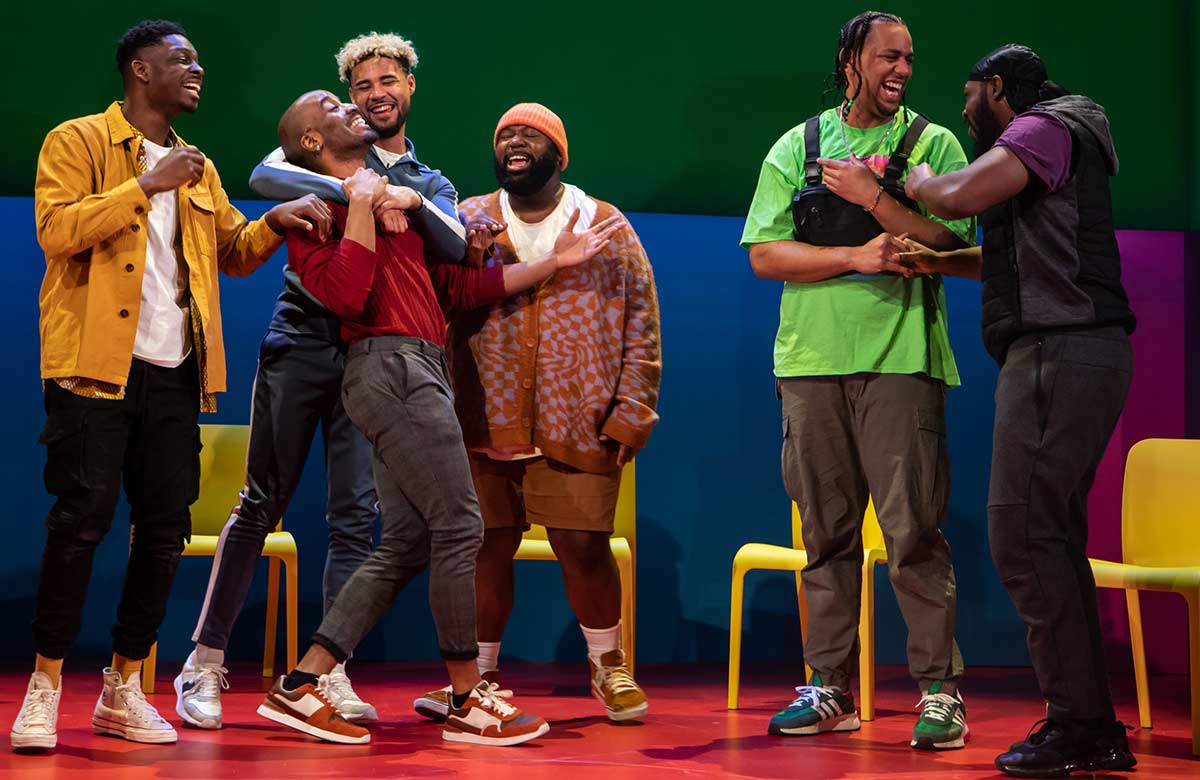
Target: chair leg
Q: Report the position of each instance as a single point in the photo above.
(293, 610)
(735, 635)
(802, 603)
(148, 667)
(268, 669)
(1138, 645)
(1193, 600)
(625, 568)
(866, 645)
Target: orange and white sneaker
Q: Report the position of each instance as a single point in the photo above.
(615, 688)
(307, 709)
(435, 704)
(487, 718)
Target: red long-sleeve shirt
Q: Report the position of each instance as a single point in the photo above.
(391, 291)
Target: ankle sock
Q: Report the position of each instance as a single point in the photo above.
(126, 667)
(601, 640)
(207, 656)
(457, 700)
(489, 657)
(296, 678)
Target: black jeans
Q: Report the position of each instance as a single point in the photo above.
(150, 441)
(1058, 398)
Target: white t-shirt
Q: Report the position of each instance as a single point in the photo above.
(534, 240)
(390, 158)
(163, 336)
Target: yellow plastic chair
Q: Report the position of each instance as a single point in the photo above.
(222, 475)
(772, 557)
(536, 547)
(1160, 550)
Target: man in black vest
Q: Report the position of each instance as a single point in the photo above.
(1056, 319)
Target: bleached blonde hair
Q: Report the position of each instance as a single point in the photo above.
(373, 44)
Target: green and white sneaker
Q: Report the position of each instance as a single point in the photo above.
(943, 721)
(815, 710)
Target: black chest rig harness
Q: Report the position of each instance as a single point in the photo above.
(824, 219)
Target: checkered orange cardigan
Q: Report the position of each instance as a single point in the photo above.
(561, 364)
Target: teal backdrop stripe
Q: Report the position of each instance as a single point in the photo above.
(669, 106)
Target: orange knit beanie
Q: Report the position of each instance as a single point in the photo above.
(540, 118)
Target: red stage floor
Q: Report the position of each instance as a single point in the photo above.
(687, 734)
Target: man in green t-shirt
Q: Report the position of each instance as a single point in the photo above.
(863, 360)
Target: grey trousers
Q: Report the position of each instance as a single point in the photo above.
(845, 439)
(1058, 398)
(396, 390)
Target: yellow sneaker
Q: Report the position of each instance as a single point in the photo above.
(614, 686)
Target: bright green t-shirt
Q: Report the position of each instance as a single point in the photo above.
(880, 323)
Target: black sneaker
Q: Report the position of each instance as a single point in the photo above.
(1058, 749)
(815, 710)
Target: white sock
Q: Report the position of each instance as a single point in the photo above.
(489, 657)
(206, 656)
(601, 640)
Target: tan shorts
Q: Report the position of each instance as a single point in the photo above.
(516, 493)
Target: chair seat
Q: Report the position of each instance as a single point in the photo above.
(1110, 574)
(756, 555)
(279, 544)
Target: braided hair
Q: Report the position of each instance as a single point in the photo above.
(849, 51)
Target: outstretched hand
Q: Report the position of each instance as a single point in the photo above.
(571, 248)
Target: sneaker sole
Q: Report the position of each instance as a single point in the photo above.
(282, 718)
(431, 709)
(618, 716)
(927, 743)
(368, 715)
(841, 723)
(133, 733)
(34, 741)
(210, 724)
(454, 735)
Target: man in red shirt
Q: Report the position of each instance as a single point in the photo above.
(396, 391)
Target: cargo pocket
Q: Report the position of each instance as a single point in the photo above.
(66, 456)
(934, 461)
(790, 461)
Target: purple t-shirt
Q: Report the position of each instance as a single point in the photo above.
(1042, 143)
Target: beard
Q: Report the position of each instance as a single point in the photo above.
(532, 179)
(389, 130)
(987, 129)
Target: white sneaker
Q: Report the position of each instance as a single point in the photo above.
(36, 725)
(122, 711)
(343, 698)
(198, 694)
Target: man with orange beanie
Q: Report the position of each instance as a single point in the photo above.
(555, 389)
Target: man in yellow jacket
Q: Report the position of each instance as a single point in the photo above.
(135, 226)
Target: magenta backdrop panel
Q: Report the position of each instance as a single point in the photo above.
(1153, 271)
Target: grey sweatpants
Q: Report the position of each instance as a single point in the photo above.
(396, 390)
(845, 439)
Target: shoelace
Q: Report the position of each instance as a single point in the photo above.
(38, 706)
(339, 685)
(138, 707)
(1036, 736)
(618, 678)
(494, 689)
(210, 680)
(810, 695)
(939, 706)
(496, 703)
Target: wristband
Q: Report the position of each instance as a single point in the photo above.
(871, 209)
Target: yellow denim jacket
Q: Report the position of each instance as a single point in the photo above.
(91, 223)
